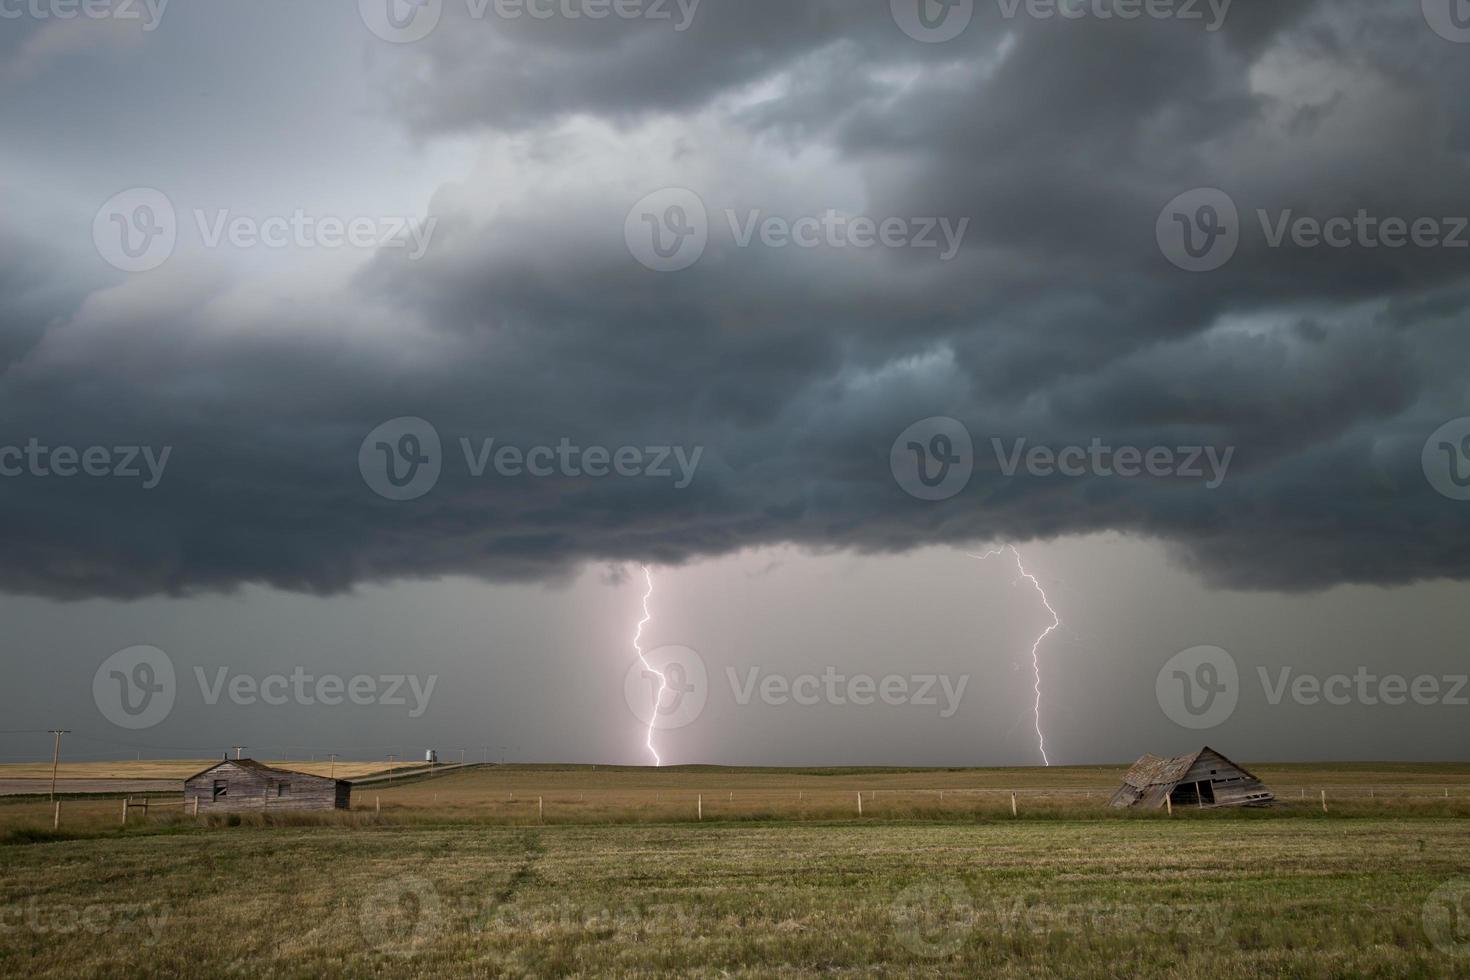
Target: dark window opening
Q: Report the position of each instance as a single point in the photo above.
(1193, 794)
(283, 789)
(221, 789)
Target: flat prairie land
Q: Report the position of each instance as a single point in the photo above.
(611, 872)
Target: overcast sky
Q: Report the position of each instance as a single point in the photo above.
(999, 237)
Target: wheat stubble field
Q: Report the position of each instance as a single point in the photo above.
(610, 872)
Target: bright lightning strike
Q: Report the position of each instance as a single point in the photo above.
(663, 683)
(1056, 622)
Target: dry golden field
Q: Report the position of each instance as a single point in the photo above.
(609, 872)
(179, 769)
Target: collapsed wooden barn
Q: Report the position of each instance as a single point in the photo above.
(1205, 779)
(243, 784)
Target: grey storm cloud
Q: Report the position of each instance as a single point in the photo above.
(1058, 322)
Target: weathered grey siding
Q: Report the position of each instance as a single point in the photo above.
(248, 785)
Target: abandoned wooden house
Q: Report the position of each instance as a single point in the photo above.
(1204, 779)
(244, 784)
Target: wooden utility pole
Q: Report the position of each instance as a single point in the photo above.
(56, 756)
(391, 759)
(333, 757)
(238, 749)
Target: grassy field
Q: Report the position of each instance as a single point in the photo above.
(539, 795)
(455, 879)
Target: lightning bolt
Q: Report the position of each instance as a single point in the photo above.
(663, 683)
(1056, 622)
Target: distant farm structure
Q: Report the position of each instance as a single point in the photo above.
(1205, 779)
(236, 785)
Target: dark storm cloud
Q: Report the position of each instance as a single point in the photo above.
(1058, 322)
(517, 71)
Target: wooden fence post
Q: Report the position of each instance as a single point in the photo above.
(701, 806)
(860, 804)
(1013, 805)
(126, 801)
(56, 818)
(378, 805)
(1324, 801)
(541, 809)
(1169, 802)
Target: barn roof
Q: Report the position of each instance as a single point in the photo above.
(1154, 771)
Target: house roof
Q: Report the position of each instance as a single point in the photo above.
(261, 767)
